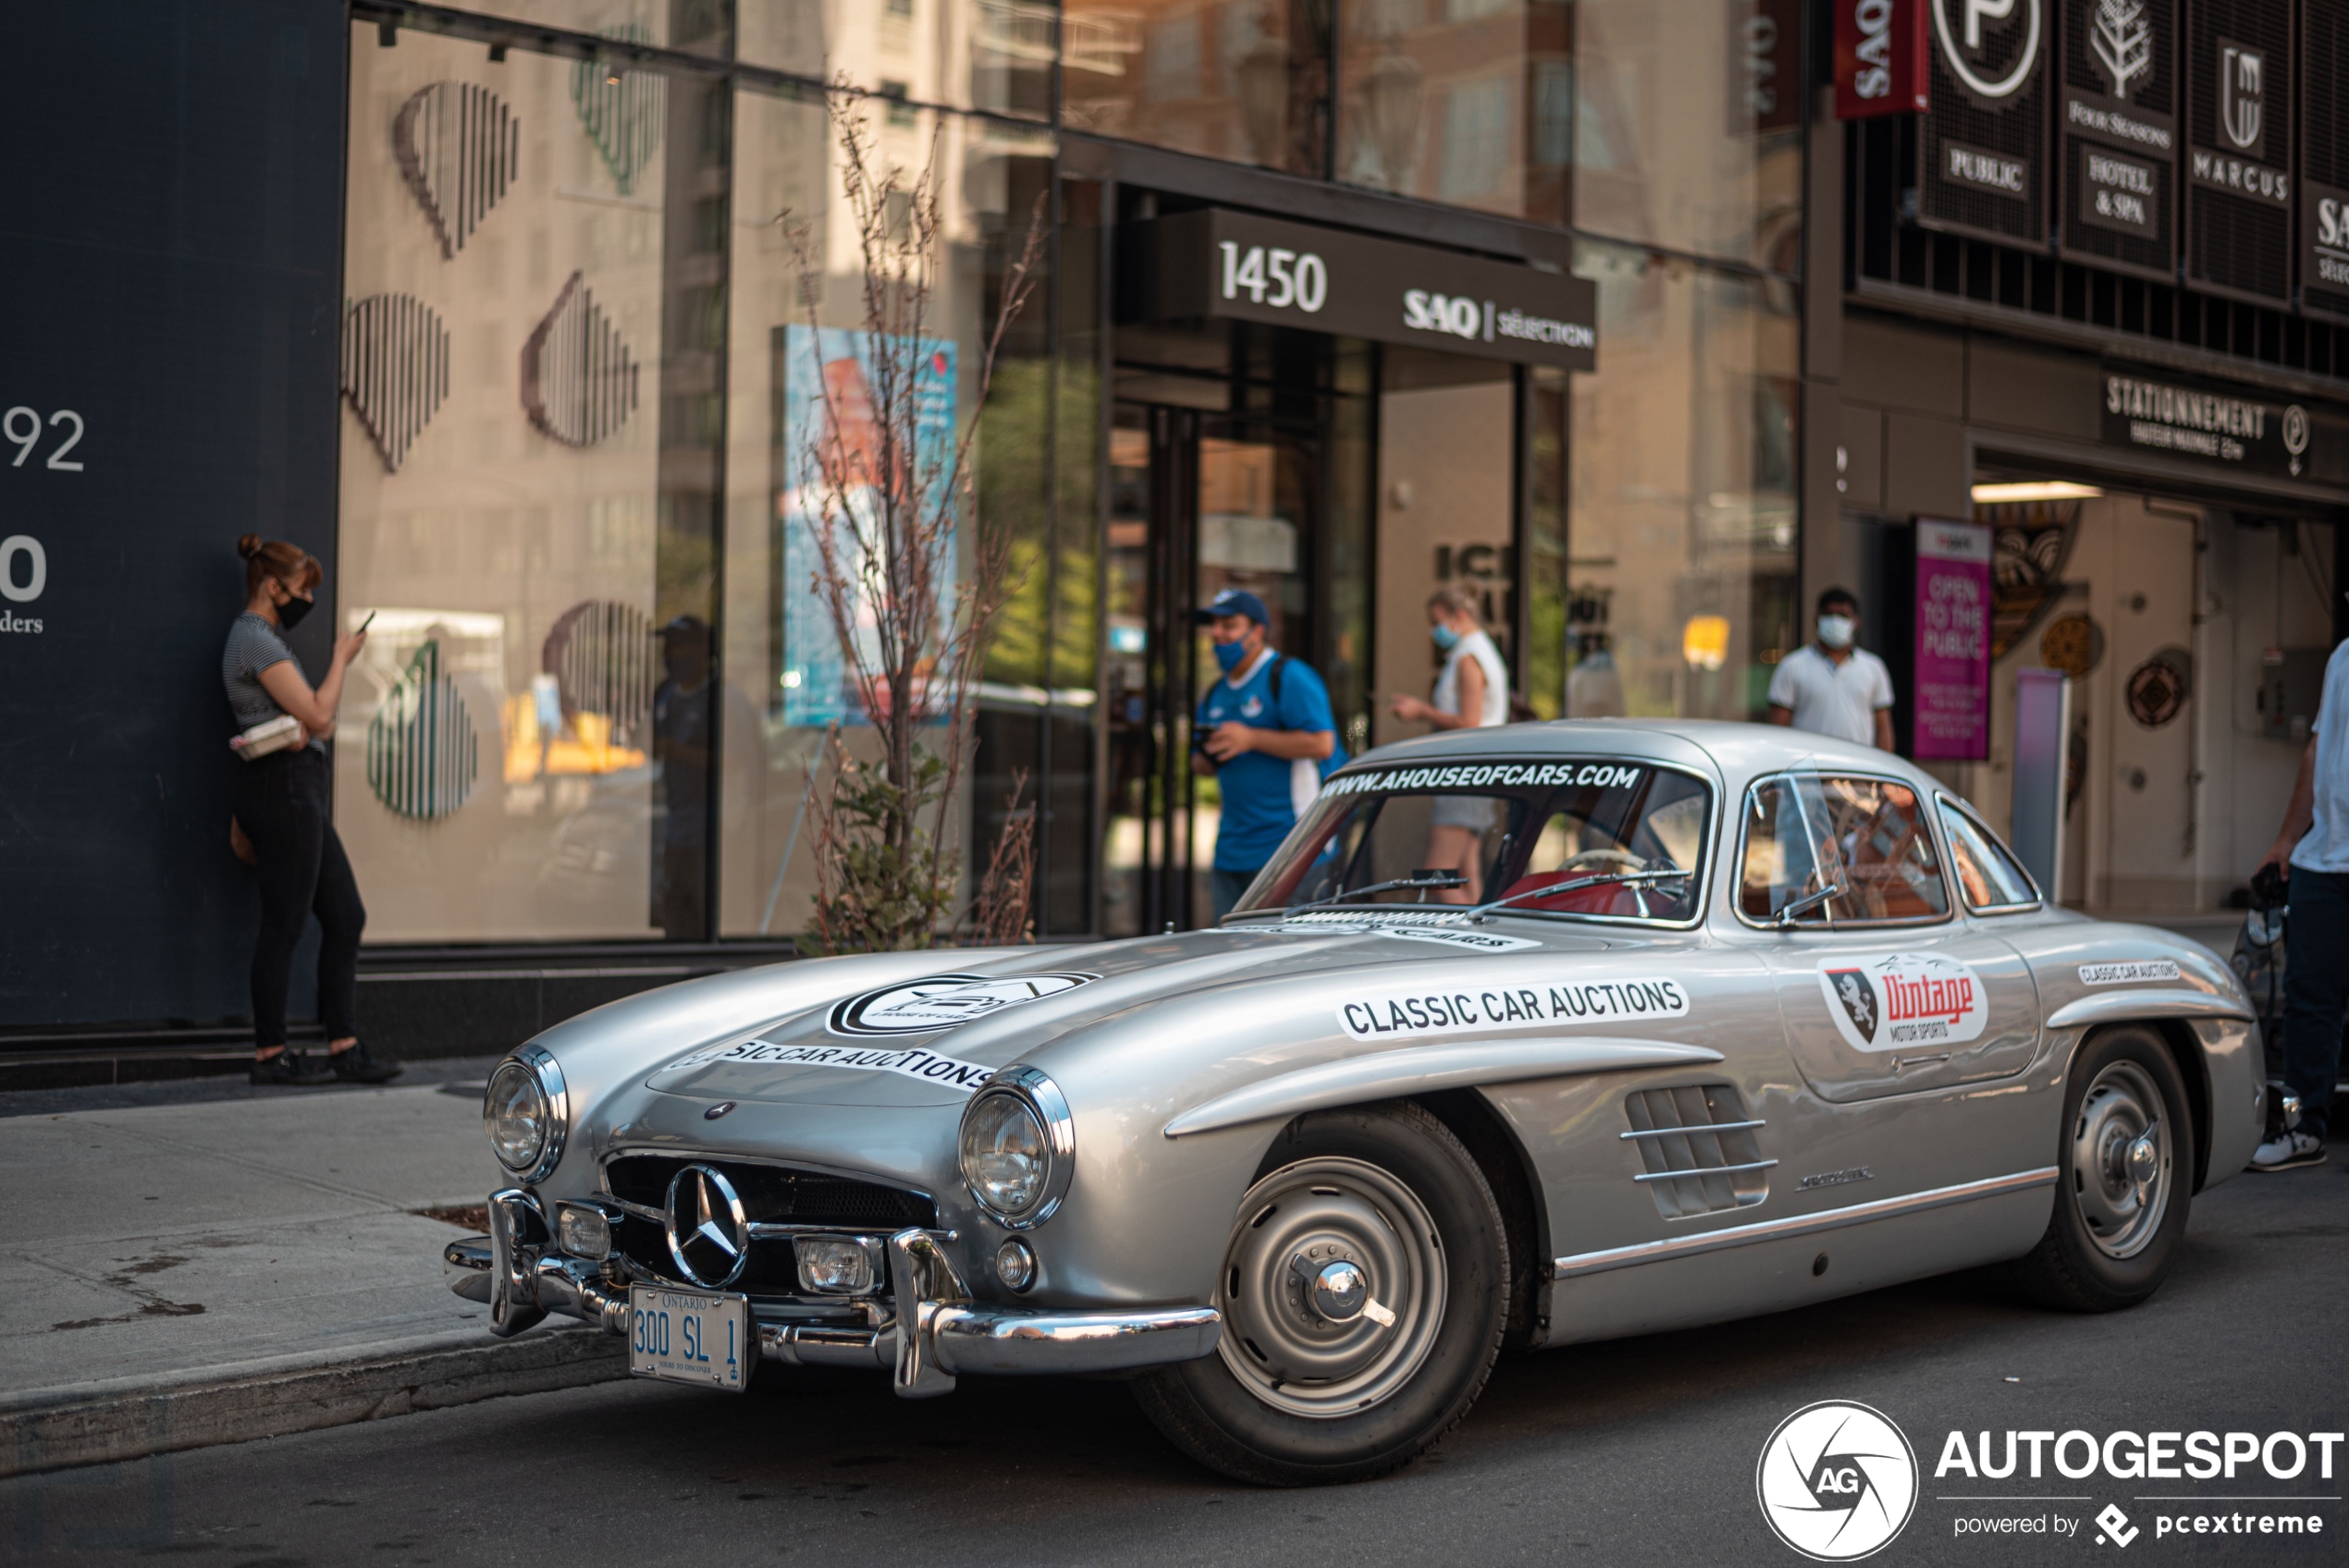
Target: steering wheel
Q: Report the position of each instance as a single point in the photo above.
(1595, 860)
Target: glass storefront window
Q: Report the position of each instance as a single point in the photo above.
(1681, 590)
(1688, 127)
(699, 27)
(1462, 102)
(1246, 80)
(994, 56)
(534, 281)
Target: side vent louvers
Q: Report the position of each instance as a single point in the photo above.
(1698, 1153)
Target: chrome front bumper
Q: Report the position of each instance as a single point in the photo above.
(521, 1280)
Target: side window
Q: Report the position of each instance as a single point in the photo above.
(1804, 832)
(1989, 878)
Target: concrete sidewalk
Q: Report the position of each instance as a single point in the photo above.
(220, 1263)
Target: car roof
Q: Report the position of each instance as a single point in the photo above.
(1733, 751)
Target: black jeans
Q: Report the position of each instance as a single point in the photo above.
(2316, 990)
(281, 803)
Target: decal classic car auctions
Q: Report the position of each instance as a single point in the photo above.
(1390, 1015)
(1891, 999)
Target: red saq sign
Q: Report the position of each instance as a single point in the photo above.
(1880, 59)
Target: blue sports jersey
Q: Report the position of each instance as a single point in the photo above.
(1263, 795)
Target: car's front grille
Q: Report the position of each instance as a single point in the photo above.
(1698, 1153)
(769, 1194)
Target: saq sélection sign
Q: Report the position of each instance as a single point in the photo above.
(1236, 265)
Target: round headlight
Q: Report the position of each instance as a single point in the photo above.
(1004, 1155)
(524, 1112)
(1019, 1148)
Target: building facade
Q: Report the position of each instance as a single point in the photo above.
(521, 317)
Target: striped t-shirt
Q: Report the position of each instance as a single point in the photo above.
(254, 646)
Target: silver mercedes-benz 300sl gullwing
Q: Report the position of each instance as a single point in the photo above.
(1528, 1036)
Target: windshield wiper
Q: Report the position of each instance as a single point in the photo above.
(1597, 879)
(1417, 879)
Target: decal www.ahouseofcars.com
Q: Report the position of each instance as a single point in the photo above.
(1488, 775)
(2128, 971)
(944, 1001)
(1471, 1009)
(1881, 1001)
(906, 1061)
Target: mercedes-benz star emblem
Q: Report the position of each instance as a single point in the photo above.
(708, 1237)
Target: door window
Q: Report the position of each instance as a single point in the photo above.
(1805, 833)
(1989, 879)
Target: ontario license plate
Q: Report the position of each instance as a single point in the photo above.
(691, 1337)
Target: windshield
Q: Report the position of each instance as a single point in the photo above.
(1497, 830)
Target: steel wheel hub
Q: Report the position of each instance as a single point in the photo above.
(1333, 1288)
(2120, 1161)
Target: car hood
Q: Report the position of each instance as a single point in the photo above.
(931, 1039)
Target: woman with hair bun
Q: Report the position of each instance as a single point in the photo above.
(1472, 691)
(281, 811)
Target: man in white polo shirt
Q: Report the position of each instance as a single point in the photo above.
(1831, 687)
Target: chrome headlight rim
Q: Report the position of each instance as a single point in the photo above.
(1042, 1097)
(547, 1075)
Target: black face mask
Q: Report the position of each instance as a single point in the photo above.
(289, 614)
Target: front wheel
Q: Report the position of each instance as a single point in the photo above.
(2125, 1171)
(1364, 1291)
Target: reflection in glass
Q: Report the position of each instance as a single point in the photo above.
(1457, 101)
(1688, 127)
(1683, 495)
(1246, 80)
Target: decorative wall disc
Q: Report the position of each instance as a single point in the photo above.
(423, 756)
(2159, 687)
(459, 146)
(578, 381)
(605, 660)
(622, 117)
(2073, 644)
(394, 370)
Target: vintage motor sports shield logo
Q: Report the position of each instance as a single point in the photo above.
(944, 1001)
(1887, 1001)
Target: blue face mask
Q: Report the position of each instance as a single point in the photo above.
(1229, 654)
(1445, 638)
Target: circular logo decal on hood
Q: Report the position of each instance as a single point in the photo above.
(944, 1001)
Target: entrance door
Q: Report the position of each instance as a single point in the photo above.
(1200, 503)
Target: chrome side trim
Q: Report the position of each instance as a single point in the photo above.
(1420, 1069)
(1582, 1263)
(1682, 1132)
(1705, 1169)
(2117, 1006)
(977, 1338)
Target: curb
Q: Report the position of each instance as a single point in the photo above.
(131, 1418)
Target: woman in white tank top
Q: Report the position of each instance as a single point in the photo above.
(1471, 691)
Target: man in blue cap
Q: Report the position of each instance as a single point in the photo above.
(1265, 733)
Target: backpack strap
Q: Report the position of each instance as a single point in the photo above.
(1273, 677)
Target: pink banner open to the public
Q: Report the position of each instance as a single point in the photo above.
(1951, 720)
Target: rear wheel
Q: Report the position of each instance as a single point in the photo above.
(2124, 1171)
(1364, 1292)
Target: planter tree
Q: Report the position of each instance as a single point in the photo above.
(912, 575)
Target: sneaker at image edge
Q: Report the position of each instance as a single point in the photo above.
(291, 1070)
(359, 1065)
(2287, 1150)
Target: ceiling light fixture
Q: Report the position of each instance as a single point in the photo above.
(2032, 490)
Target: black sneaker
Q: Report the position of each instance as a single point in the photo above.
(290, 1069)
(359, 1065)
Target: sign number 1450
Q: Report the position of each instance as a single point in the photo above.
(1276, 278)
(24, 426)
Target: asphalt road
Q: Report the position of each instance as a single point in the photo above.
(1639, 1452)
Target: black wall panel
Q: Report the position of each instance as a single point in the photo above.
(2117, 135)
(1982, 150)
(171, 246)
(2238, 95)
(2324, 156)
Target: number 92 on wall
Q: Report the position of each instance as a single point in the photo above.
(690, 1337)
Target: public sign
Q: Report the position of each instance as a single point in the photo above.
(1952, 717)
(1982, 143)
(1242, 267)
(1880, 59)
